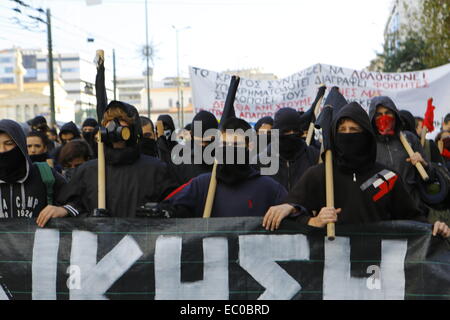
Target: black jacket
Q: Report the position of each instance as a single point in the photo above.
(290, 171)
(369, 194)
(252, 197)
(129, 183)
(27, 197)
(392, 154)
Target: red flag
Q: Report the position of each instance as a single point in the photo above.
(429, 116)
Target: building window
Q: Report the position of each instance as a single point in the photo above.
(6, 59)
(69, 70)
(6, 80)
(8, 69)
(170, 103)
(190, 100)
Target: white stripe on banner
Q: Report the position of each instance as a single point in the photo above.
(45, 264)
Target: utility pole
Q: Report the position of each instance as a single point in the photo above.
(50, 71)
(114, 74)
(147, 53)
(180, 99)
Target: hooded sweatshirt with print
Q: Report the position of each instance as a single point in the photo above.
(23, 194)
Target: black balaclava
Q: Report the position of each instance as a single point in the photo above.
(291, 145)
(42, 157)
(354, 152)
(409, 123)
(169, 126)
(149, 147)
(12, 165)
(208, 121)
(234, 173)
(90, 136)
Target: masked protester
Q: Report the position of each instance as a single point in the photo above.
(199, 141)
(148, 141)
(263, 127)
(69, 131)
(132, 179)
(387, 125)
(430, 148)
(164, 142)
(295, 156)
(89, 129)
(364, 191)
(443, 139)
(37, 146)
(23, 192)
(241, 190)
(73, 154)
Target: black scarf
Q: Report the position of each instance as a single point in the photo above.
(291, 145)
(234, 173)
(149, 147)
(42, 157)
(12, 165)
(354, 151)
(123, 156)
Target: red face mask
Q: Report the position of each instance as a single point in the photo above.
(385, 124)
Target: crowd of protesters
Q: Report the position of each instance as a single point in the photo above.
(46, 174)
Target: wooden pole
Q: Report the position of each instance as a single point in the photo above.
(423, 135)
(211, 192)
(101, 157)
(410, 152)
(329, 188)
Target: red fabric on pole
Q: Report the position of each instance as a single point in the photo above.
(429, 116)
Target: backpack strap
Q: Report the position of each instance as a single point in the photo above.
(47, 178)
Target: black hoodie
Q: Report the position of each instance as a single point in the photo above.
(367, 196)
(28, 196)
(130, 181)
(392, 154)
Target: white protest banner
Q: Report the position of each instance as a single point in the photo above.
(258, 98)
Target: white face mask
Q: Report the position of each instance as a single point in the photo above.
(168, 134)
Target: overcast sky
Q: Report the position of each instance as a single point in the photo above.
(277, 36)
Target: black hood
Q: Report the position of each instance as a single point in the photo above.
(388, 103)
(131, 111)
(287, 119)
(263, 120)
(70, 127)
(168, 121)
(409, 123)
(208, 121)
(354, 111)
(89, 122)
(15, 131)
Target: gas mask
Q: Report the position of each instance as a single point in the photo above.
(115, 132)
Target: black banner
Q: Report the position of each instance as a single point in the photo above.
(220, 259)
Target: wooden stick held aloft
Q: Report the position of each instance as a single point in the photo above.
(329, 185)
(410, 152)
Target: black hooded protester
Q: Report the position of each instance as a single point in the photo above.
(387, 125)
(132, 179)
(164, 142)
(365, 191)
(25, 191)
(186, 171)
(148, 141)
(241, 190)
(68, 132)
(89, 129)
(295, 156)
(430, 148)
